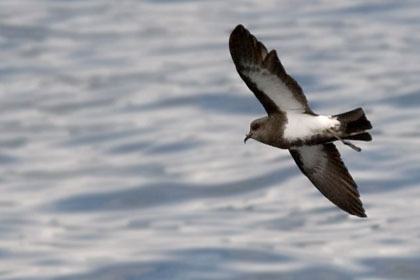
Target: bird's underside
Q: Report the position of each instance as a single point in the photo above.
(291, 124)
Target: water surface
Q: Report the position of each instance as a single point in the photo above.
(121, 148)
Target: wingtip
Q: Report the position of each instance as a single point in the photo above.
(358, 212)
(239, 27)
(361, 215)
(237, 31)
(356, 209)
(239, 44)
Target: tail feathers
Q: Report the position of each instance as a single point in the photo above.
(364, 136)
(354, 122)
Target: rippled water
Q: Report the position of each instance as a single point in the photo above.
(121, 148)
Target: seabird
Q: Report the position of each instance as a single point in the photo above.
(292, 125)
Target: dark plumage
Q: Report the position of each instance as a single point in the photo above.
(291, 124)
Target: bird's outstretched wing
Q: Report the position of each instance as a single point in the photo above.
(264, 74)
(323, 166)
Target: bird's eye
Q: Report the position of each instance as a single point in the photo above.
(255, 126)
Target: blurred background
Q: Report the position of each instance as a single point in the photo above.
(121, 144)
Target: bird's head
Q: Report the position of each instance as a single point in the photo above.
(258, 130)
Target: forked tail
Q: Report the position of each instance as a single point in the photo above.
(354, 125)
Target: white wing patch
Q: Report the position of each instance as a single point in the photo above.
(274, 88)
(301, 126)
(313, 158)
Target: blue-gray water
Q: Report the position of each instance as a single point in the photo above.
(121, 147)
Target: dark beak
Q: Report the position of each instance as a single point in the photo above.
(247, 137)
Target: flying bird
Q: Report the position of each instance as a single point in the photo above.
(291, 124)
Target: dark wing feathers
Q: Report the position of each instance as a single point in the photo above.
(246, 50)
(323, 166)
(264, 74)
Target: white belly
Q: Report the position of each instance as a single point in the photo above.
(301, 126)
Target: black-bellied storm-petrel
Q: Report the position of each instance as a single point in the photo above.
(292, 125)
